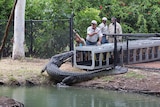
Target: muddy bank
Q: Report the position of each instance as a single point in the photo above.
(26, 72)
(136, 81)
(8, 102)
(140, 78)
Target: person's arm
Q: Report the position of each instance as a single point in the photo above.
(101, 26)
(83, 41)
(120, 29)
(100, 37)
(89, 33)
(110, 29)
(76, 34)
(99, 41)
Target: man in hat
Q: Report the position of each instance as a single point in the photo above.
(104, 29)
(112, 30)
(94, 35)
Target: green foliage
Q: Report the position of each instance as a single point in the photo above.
(52, 41)
(78, 5)
(5, 8)
(141, 24)
(138, 15)
(47, 9)
(135, 16)
(85, 17)
(52, 36)
(34, 9)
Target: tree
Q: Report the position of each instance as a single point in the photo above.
(140, 16)
(18, 40)
(83, 19)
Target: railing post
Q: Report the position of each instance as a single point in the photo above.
(127, 58)
(115, 44)
(71, 36)
(31, 38)
(71, 33)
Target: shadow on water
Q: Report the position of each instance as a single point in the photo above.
(77, 97)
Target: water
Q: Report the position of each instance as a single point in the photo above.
(77, 97)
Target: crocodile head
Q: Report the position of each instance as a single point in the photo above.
(59, 59)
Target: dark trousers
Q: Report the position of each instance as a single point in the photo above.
(104, 40)
(90, 43)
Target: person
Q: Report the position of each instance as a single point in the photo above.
(112, 30)
(104, 29)
(79, 40)
(94, 35)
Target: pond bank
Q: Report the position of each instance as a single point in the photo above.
(26, 72)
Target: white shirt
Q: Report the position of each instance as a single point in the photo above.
(118, 28)
(95, 37)
(104, 28)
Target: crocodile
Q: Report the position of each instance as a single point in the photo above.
(70, 78)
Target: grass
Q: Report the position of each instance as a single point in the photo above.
(135, 75)
(30, 68)
(108, 78)
(27, 69)
(12, 78)
(20, 70)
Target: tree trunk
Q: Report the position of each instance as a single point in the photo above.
(19, 30)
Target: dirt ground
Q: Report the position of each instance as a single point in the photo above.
(140, 78)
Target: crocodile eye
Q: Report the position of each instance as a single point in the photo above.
(60, 58)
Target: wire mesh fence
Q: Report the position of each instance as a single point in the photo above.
(43, 38)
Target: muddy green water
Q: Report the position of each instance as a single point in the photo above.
(77, 97)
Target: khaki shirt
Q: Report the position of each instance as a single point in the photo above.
(104, 28)
(118, 31)
(118, 28)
